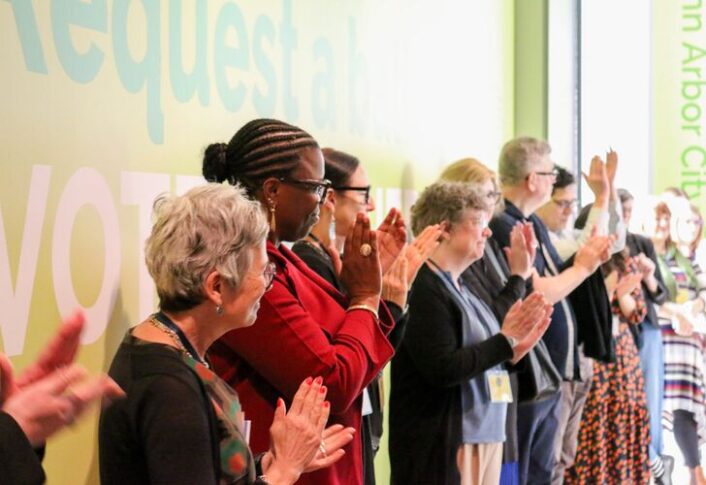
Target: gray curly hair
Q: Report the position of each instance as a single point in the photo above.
(446, 201)
(210, 227)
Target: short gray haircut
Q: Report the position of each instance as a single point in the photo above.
(446, 201)
(210, 227)
(519, 157)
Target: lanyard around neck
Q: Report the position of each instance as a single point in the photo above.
(179, 333)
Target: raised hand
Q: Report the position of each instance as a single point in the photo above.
(611, 167)
(520, 255)
(597, 179)
(392, 237)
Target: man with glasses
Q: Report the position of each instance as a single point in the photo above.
(558, 216)
(527, 175)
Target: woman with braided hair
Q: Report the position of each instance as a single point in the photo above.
(304, 326)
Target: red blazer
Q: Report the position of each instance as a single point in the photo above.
(303, 330)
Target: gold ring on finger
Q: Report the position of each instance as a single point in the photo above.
(366, 250)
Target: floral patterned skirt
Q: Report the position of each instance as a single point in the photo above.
(614, 432)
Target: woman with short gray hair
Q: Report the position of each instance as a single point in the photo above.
(180, 423)
(449, 387)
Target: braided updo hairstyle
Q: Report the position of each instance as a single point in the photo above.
(262, 148)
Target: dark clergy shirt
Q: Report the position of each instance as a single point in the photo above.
(562, 327)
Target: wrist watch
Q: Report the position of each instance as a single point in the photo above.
(512, 341)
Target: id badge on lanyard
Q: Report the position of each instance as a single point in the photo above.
(499, 385)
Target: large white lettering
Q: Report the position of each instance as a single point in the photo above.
(86, 187)
(15, 302)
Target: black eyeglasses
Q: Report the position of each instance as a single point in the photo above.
(269, 274)
(365, 190)
(319, 187)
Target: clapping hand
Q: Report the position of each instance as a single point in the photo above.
(526, 321)
(645, 266)
(360, 272)
(420, 249)
(298, 440)
(595, 252)
(52, 392)
(627, 284)
(392, 237)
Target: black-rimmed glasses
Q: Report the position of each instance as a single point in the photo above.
(319, 187)
(364, 190)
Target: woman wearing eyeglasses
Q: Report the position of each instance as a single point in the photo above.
(499, 280)
(180, 423)
(304, 326)
(321, 250)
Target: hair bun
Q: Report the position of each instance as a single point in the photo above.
(215, 167)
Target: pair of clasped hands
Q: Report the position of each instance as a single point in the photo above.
(379, 263)
(53, 391)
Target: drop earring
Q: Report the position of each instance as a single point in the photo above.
(219, 310)
(332, 230)
(273, 219)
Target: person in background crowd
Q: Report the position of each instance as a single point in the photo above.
(684, 368)
(320, 250)
(604, 217)
(527, 175)
(305, 327)
(180, 423)
(614, 425)
(499, 282)
(50, 394)
(655, 293)
(449, 388)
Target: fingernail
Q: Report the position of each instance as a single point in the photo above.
(309, 380)
(318, 380)
(326, 404)
(322, 389)
(280, 402)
